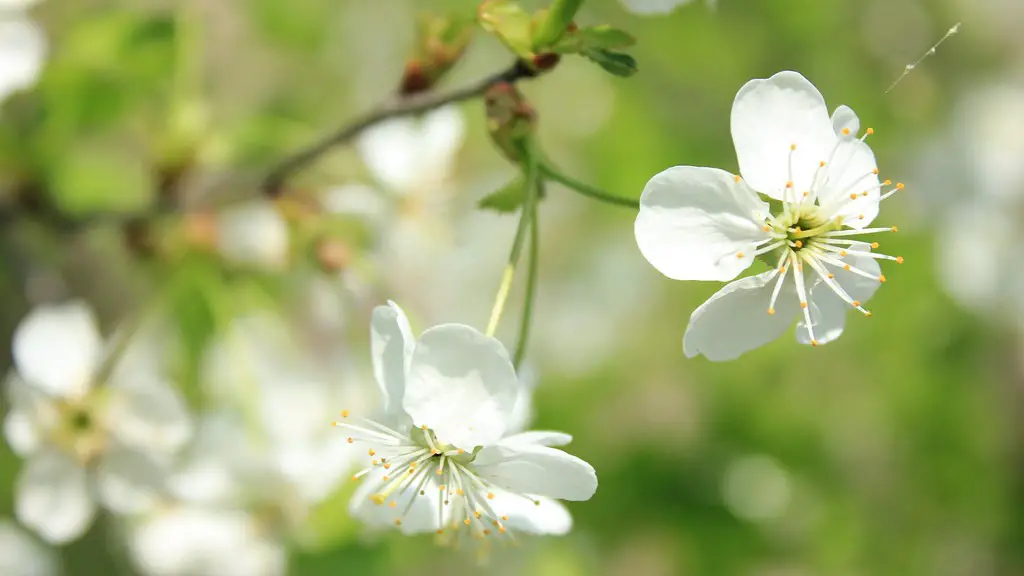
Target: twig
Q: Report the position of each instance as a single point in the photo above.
(408, 106)
(910, 67)
(585, 189)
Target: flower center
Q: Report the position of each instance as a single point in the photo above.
(414, 464)
(80, 431)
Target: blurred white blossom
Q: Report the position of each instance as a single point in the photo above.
(22, 47)
(85, 444)
(656, 7)
(974, 175)
(260, 461)
(756, 488)
(447, 456)
(254, 234)
(23, 555)
(700, 223)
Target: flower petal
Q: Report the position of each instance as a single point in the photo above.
(403, 153)
(844, 118)
(56, 348)
(129, 482)
(852, 171)
(828, 311)
(391, 346)
(768, 117)
(735, 319)
(52, 497)
(699, 224)
(539, 438)
(526, 469)
(150, 416)
(22, 555)
(30, 417)
(462, 385)
(22, 52)
(536, 515)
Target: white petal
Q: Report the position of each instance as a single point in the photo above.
(30, 417)
(536, 515)
(735, 319)
(539, 438)
(52, 497)
(844, 118)
(254, 234)
(22, 52)
(852, 171)
(150, 416)
(404, 152)
(653, 7)
(56, 348)
(22, 555)
(699, 224)
(527, 469)
(768, 117)
(129, 482)
(421, 517)
(522, 414)
(462, 385)
(828, 311)
(391, 346)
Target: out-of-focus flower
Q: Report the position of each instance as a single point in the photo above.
(975, 178)
(85, 444)
(446, 459)
(254, 234)
(258, 465)
(22, 47)
(22, 555)
(756, 488)
(706, 224)
(413, 160)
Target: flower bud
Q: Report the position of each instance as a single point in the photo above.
(510, 118)
(440, 43)
(332, 254)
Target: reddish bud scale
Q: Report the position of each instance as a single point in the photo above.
(545, 61)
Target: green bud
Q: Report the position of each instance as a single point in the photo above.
(558, 20)
(510, 118)
(440, 44)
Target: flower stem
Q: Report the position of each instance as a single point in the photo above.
(526, 213)
(531, 284)
(585, 189)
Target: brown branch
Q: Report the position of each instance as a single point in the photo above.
(408, 106)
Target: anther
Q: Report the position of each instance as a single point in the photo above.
(887, 182)
(398, 521)
(831, 275)
(344, 413)
(766, 228)
(900, 186)
(350, 440)
(842, 252)
(440, 531)
(739, 254)
(881, 278)
(855, 303)
(504, 518)
(371, 452)
(467, 521)
(737, 178)
(792, 147)
(487, 531)
(459, 492)
(803, 304)
(386, 478)
(387, 466)
(460, 451)
(874, 245)
(853, 196)
(422, 493)
(846, 267)
(490, 495)
(875, 171)
(439, 471)
(477, 514)
(899, 259)
(846, 131)
(799, 244)
(821, 164)
(814, 343)
(789, 184)
(392, 504)
(895, 229)
(771, 311)
(442, 487)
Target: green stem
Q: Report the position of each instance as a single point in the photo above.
(531, 283)
(585, 189)
(526, 213)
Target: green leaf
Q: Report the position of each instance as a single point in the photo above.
(602, 37)
(508, 198)
(614, 62)
(510, 23)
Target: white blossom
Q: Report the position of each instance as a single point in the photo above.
(22, 555)
(447, 457)
(254, 234)
(809, 188)
(85, 444)
(22, 47)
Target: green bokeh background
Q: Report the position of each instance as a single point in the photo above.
(901, 441)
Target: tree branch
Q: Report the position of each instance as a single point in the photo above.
(273, 182)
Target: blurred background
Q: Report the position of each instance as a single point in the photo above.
(133, 136)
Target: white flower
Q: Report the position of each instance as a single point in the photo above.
(447, 459)
(22, 47)
(254, 234)
(823, 189)
(84, 444)
(22, 555)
